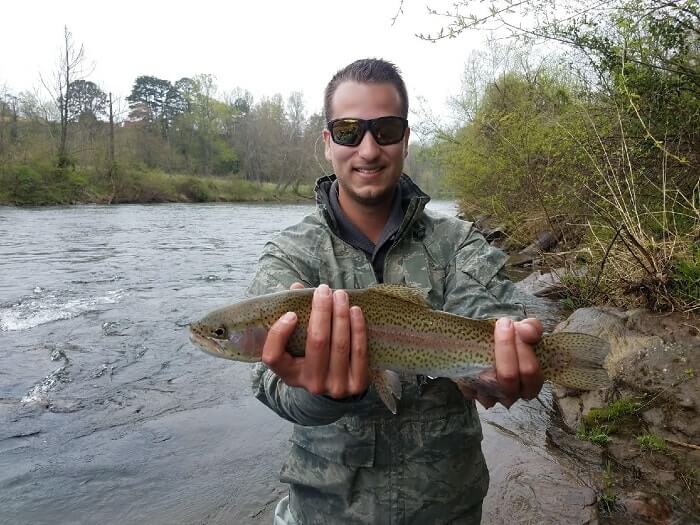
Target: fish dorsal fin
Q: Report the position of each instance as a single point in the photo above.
(416, 296)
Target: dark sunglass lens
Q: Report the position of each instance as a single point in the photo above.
(388, 130)
(346, 132)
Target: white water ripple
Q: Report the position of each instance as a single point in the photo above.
(46, 306)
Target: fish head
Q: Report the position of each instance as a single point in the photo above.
(231, 334)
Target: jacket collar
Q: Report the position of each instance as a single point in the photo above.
(413, 201)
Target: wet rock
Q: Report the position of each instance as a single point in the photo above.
(600, 321)
(489, 227)
(569, 407)
(687, 403)
(550, 284)
(653, 360)
(549, 312)
(647, 508)
(520, 259)
(539, 284)
(654, 417)
(545, 242)
(584, 451)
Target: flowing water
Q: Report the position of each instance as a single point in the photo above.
(109, 414)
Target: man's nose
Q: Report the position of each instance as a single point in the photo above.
(368, 147)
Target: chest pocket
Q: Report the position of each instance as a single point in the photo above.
(414, 267)
(343, 267)
(482, 263)
(348, 441)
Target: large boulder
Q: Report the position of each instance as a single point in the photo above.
(654, 361)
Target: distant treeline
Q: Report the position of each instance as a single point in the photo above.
(77, 144)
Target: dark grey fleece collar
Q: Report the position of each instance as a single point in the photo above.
(413, 199)
(354, 237)
(407, 208)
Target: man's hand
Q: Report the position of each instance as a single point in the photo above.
(517, 374)
(335, 363)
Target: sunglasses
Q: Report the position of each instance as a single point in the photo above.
(350, 131)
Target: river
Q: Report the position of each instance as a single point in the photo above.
(109, 414)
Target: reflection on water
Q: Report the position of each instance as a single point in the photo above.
(107, 410)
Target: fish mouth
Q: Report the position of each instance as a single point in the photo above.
(205, 344)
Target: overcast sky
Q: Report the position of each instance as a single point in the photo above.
(263, 46)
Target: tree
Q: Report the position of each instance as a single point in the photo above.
(9, 111)
(69, 70)
(85, 100)
(149, 102)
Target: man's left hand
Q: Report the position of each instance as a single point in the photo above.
(517, 373)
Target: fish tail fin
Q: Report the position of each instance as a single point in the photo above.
(574, 360)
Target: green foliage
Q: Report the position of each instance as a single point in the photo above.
(514, 158)
(686, 277)
(580, 291)
(600, 423)
(196, 189)
(618, 156)
(41, 184)
(652, 443)
(608, 497)
(597, 435)
(614, 413)
(24, 187)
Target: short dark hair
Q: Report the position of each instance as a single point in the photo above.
(367, 71)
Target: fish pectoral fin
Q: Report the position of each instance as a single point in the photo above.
(417, 296)
(388, 386)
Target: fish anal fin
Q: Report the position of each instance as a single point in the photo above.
(417, 296)
(388, 387)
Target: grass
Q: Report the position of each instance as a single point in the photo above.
(689, 477)
(600, 423)
(608, 497)
(652, 443)
(42, 184)
(614, 413)
(599, 435)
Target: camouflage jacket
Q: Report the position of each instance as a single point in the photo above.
(352, 461)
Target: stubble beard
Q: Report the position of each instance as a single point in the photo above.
(371, 198)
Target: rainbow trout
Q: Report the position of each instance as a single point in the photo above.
(405, 336)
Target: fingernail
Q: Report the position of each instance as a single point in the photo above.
(289, 317)
(340, 297)
(323, 290)
(504, 323)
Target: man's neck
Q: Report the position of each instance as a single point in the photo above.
(370, 220)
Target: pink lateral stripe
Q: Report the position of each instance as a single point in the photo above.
(422, 339)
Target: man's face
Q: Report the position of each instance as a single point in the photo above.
(367, 173)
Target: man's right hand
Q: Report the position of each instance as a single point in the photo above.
(336, 362)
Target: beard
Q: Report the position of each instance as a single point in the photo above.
(369, 197)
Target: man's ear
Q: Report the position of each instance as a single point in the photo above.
(405, 142)
(327, 145)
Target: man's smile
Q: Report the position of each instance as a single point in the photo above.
(368, 171)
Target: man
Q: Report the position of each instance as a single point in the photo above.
(352, 461)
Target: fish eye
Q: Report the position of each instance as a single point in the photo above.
(220, 332)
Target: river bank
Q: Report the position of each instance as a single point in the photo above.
(49, 186)
(638, 441)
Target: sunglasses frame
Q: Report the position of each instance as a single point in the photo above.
(367, 125)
